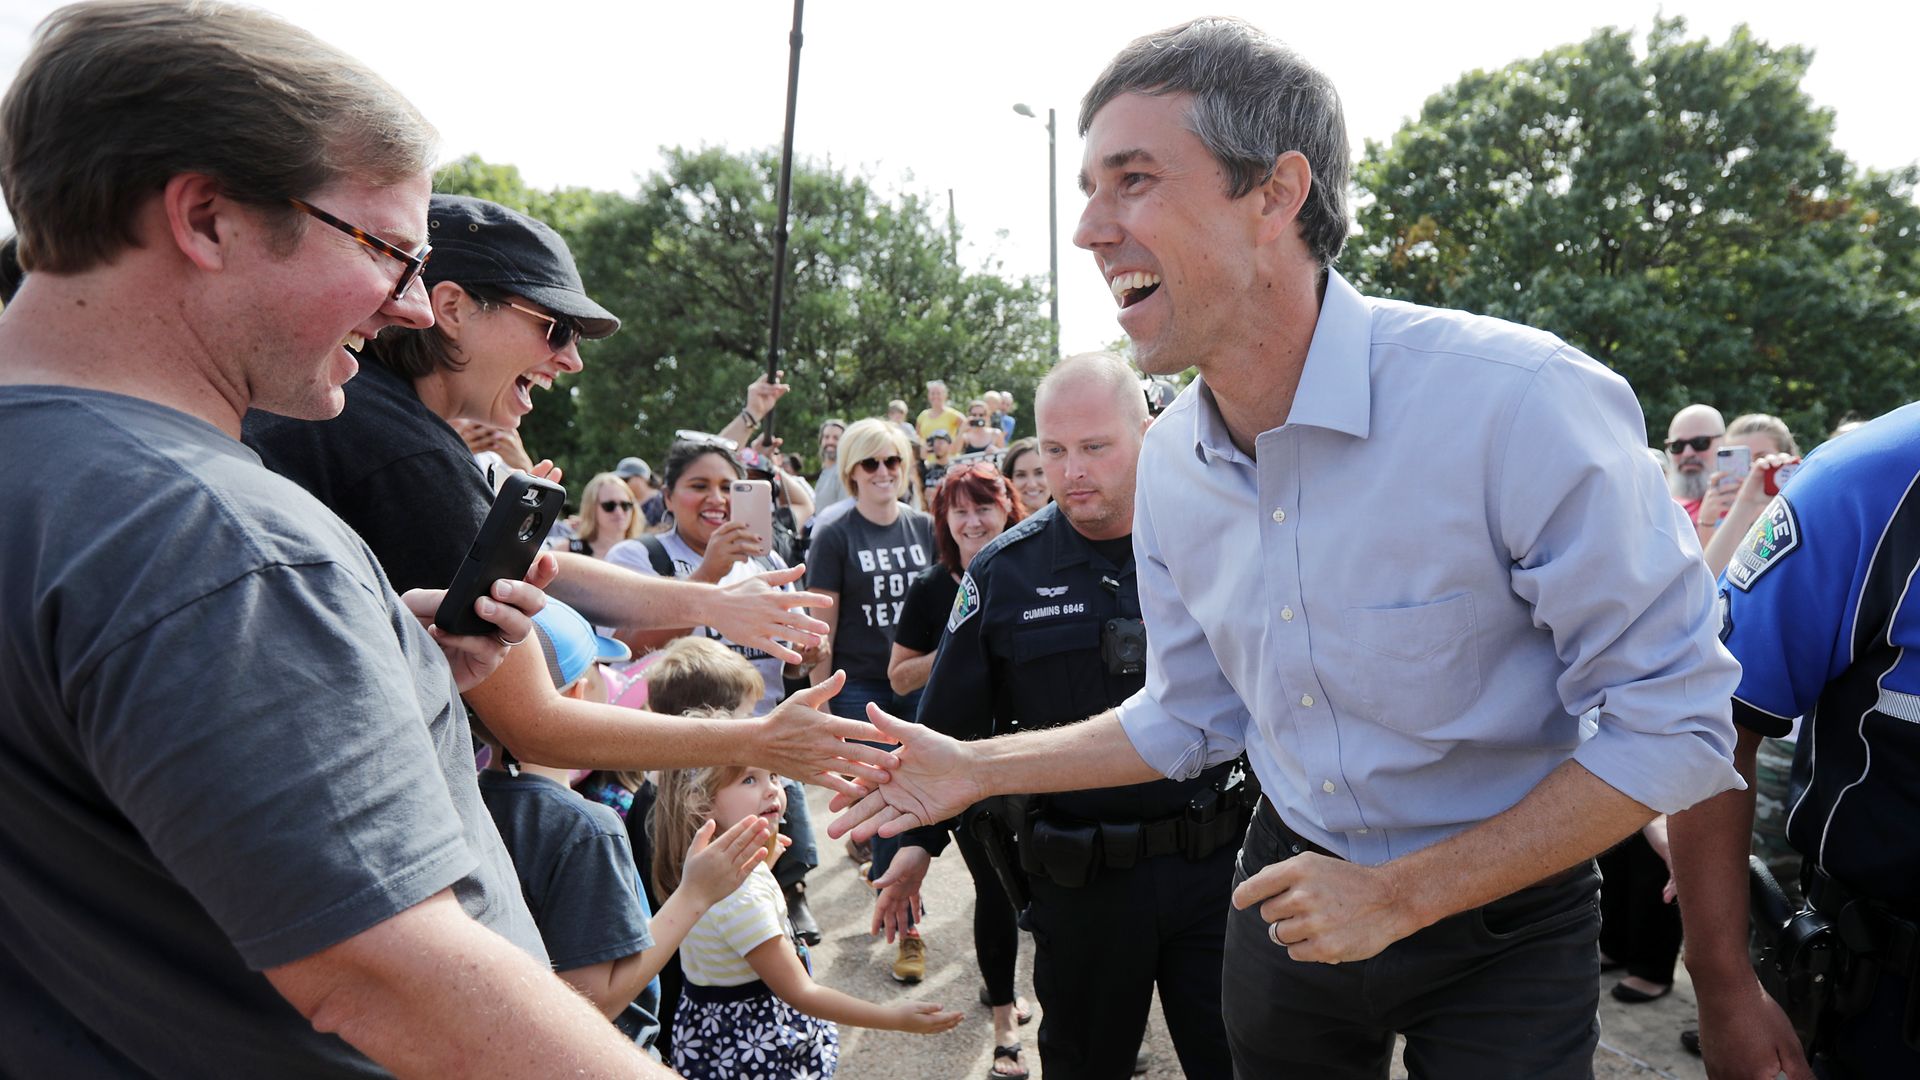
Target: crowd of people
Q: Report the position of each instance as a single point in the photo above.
(1143, 668)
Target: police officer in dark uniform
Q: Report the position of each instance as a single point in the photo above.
(1124, 888)
(1819, 607)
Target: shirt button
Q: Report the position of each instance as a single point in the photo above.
(1279, 515)
(1327, 786)
(1306, 700)
(1286, 614)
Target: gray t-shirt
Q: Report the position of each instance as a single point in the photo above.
(577, 872)
(869, 566)
(224, 745)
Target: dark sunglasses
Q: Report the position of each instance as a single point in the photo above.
(415, 262)
(891, 461)
(1698, 442)
(610, 505)
(560, 332)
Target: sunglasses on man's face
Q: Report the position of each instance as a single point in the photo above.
(610, 505)
(891, 461)
(560, 332)
(1698, 442)
(413, 262)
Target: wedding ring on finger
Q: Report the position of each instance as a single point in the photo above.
(510, 644)
(1273, 934)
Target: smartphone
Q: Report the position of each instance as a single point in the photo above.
(1777, 478)
(975, 422)
(523, 512)
(751, 501)
(1735, 462)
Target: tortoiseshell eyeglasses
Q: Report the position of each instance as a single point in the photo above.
(414, 262)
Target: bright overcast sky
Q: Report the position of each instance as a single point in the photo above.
(576, 92)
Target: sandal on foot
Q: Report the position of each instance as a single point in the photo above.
(1010, 1053)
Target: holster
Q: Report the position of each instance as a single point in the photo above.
(997, 822)
(1823, 962)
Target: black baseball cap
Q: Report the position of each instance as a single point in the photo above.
(476, 242)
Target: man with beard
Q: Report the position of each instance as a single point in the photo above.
(1411, 697)
(828, 490)
(1692, 438)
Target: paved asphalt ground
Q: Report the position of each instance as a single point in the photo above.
(1637, 1041)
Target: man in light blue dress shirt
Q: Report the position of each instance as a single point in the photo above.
(1393, 553)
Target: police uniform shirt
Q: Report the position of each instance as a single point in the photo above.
(1022, 652)
(1817, 606)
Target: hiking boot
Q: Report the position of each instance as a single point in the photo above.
(805, 926)
(911, 965)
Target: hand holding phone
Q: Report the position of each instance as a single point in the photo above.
(1733, 463)
(523, 513)
(750, 502)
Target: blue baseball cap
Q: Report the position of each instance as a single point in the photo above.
(568, 642)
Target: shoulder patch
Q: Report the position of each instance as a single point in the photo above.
(1773, 537)
(966, 603)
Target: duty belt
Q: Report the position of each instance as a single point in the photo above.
(1071, 852)
(1866, 926)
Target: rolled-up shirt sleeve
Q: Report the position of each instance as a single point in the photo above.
(1188, 716)
(1604, 557)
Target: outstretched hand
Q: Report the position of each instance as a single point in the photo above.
(801, 739)
(756, 612)
(933, 781)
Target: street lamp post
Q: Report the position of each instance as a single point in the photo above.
(1053, 227)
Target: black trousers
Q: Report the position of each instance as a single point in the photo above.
(1506, 990)
(1100, 950)
(996, 936)
(1637, 928)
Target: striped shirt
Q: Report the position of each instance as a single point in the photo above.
(715, 950)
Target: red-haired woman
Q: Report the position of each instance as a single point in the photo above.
(974, 504)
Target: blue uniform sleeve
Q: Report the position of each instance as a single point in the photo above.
(1605, 559)
(1788, 596)
(958, 699)
(1187, 717)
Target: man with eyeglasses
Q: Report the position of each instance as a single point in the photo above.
(1692, 437)
(242, 832)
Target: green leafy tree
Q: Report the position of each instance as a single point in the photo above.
(874, 304)
(1680, 215)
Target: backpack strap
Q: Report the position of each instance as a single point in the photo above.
(657, 555)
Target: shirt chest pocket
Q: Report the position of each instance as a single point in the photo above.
(1058, 677)
(1417, 666)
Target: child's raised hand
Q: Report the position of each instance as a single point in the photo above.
(717, 865)
(923, 1018)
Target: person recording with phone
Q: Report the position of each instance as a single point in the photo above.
(708, 541)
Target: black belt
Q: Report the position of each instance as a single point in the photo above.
(1866, 926)
(1297, 844)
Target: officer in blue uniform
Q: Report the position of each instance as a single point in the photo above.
(1818, 606)
(1126, 887)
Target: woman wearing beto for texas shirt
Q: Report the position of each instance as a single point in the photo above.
(864, 559)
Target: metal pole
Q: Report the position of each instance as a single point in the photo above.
(783, 197)
(1053, 238)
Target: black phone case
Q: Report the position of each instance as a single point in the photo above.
(523, 513)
